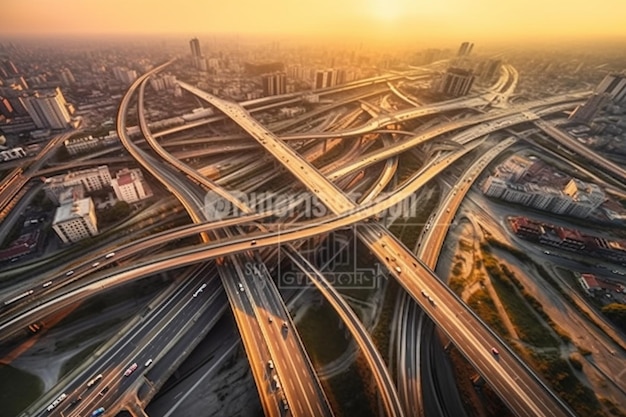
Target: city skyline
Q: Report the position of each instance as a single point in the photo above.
(371, 19)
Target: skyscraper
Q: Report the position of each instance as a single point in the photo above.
(457, 82)
(196, 52)
(465, 49)
(8, 68)
(615, 86)
(48, 109)
(274, 84)
(324, 79)
(586, 112)
(66, 76)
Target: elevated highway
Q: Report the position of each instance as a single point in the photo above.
(476, 343)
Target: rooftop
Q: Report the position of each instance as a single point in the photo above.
(74, 210)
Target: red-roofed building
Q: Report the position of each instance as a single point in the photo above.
(589, 283)
(526, 228)
(570, 238)
(24, 245)
(130, 186)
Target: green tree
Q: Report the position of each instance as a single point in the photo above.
(617, 313)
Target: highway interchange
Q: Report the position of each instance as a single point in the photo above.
(264, 323)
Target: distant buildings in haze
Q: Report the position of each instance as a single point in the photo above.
(274, 84)
(465, 49)
(457, 82)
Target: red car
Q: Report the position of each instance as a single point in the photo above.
(131, 369)
(495, 351)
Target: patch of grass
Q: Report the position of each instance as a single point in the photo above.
(347, 394)
(483, 305)
(382, 333)
(528, 326)
(18, 389)
(408, 230)
(562, 379)
(321, 334)
(613, 409)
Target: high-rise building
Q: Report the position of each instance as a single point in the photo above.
(8, 68)
(465, 49)
(75, 220)
(125, 75)
(195, 48)
(615, 86)
(157, 83)
(490, 69)
(260, 68)
(66, 76)
(6, 109)
(586, 112)
(274, 84)
(457, 82)
(48, 109)
(324, 79)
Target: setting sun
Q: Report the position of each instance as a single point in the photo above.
(392, 10)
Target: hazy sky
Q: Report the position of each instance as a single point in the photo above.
(433, 19)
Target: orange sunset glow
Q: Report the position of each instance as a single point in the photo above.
(355, 18)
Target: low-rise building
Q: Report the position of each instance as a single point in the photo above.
(130, 186)
(75, 220)
(91, 179)
(88, 143)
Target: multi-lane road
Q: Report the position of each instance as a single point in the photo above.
(258, 309)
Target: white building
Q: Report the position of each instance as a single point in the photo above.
(87, 143)
(125, 75)
(92, 179)
(494, 187)
(75, 220)
(129, 186)
(48, 109)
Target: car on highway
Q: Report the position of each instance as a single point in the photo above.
(94, 381)
(276, 382)
(269, 319)
(47, 284)
(95, 264)
(68, 273)
(110, 255)
(104, 390)
(424, 293)
(76, 401)
(97, 412)
(398, 269)
(148, 362)
(241, 289)
(495, 351)
(130, 369)
(199, 290)
(270, 364)
(56, 402)
(253, 243)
